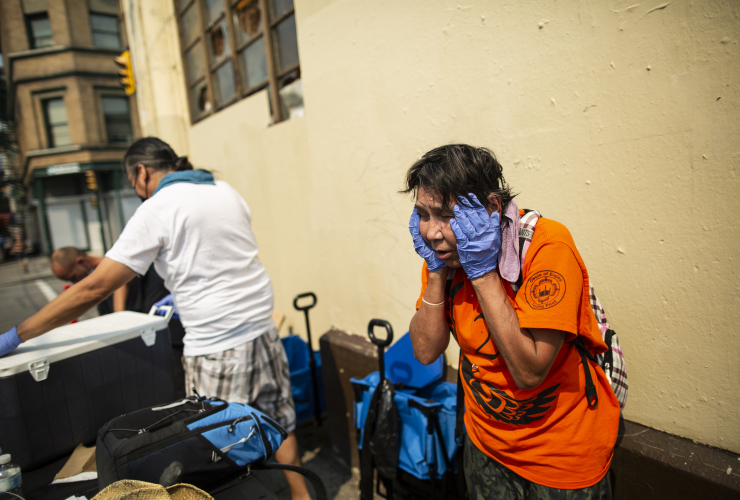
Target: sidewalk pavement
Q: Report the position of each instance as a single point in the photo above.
(11, 273)
(315, 447)
(24, 294)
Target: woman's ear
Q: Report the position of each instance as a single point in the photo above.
(494, 204)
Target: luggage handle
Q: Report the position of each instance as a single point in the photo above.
(382, 344)
(388, 328)
(168, 310)
(303, 296)
(311, 355)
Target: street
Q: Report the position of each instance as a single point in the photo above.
(24, 294)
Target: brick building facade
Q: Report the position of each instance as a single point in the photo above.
(74, 119)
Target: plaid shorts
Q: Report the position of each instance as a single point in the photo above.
(255, 373)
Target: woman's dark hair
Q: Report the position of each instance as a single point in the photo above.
(456, 170)
(154, 153)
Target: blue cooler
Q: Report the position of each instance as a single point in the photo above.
(300, 377)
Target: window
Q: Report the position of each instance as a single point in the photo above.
(106, 31)
(39, 31)
(234, 48)
(117, 118)
(57, 129)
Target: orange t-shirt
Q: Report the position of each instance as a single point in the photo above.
(548, 434)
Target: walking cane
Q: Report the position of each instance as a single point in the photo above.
(312, 357)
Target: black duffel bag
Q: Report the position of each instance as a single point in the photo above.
(198, 441)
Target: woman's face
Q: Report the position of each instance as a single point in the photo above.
(434, 225)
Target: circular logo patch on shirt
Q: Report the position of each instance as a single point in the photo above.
(545, 289)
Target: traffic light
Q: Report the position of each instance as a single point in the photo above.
(127, 72)
(92, 183)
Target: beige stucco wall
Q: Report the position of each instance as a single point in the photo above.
(617, 119)
(155, 50)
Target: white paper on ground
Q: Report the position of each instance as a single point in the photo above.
(83, 476)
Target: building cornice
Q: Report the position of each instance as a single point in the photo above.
(58, 49)
(11, 58)
(74, 148)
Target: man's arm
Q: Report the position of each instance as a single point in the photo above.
(107, 277)
(119, 298)
(529, 353)
(429, 332)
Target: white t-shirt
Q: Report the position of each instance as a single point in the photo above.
(199, 237)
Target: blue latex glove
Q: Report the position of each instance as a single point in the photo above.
(478, 237)
(167, 301)
(9, 341)
(422, 247)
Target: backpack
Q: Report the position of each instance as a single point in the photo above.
(612, 360)
(196, 440)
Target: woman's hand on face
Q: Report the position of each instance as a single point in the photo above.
(421, 246)
(478, 237)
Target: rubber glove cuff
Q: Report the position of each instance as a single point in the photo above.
(168, 301)
(9, 341)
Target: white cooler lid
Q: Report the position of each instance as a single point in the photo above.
(72, 340)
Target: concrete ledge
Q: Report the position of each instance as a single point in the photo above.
(651, 464)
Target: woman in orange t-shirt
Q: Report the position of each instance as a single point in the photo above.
(530, 429)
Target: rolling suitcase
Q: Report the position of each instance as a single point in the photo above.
(57, 390)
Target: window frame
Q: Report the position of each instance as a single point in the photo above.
(271, 83)
(92, 30)
(29, 18)
(47, 124)
(106, 93)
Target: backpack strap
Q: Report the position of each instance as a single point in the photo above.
(526, 232)
(460, 412)
(592, 396)
(313, 478)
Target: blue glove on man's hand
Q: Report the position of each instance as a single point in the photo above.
(168, 301)
(478, 237)
(422, 247)
(9, 341)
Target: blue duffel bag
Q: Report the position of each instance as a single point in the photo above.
(427, 429)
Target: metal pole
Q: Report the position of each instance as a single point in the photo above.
(39, 193)
(100, 211)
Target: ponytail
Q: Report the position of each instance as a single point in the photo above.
(182, 163)
(154, 153)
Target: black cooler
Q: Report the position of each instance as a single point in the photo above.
(57, 390)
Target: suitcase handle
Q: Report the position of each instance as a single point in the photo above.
(302, 296)
(388, 328)
(169, 311)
